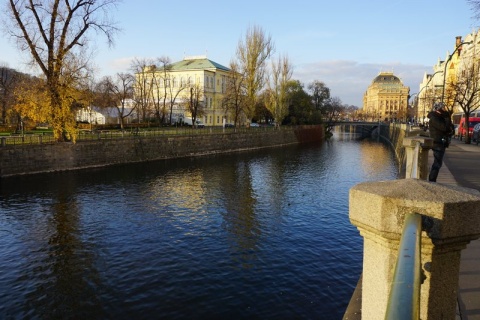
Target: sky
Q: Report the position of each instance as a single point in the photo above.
(342, 43)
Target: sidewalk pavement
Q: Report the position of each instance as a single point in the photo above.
(461, 167)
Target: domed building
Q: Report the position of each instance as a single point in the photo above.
(386, 98)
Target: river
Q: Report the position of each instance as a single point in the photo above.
(252, 235)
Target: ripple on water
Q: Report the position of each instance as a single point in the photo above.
(260, 235)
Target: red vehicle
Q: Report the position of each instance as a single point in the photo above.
(462, 129)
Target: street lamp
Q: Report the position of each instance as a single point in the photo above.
(413, 112)
(445, 66)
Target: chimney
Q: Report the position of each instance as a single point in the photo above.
(458, 41)
(458, 44)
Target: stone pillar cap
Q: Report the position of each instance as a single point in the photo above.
(383, 205)
(411, 141)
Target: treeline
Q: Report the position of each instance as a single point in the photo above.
(260, 86)
(21, 101)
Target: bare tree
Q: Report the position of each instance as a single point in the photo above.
(165, 89)
(252, 55)
(158, 96)
(194, 103)
(278, 86)
(234, 99)
(9, 80)
(161, 82)
(55, 33)
(475, 8)
(116, 94)
(465, 92)
(144, 71)
(331, 113)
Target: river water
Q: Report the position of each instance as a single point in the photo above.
(253, 235)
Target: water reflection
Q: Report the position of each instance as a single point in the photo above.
(231, 235)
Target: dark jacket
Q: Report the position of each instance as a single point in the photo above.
(441, 127)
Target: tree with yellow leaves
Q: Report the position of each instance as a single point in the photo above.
(278, 102)
(55, 33)
(31, 101)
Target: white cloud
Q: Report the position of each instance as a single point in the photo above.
(348, 79)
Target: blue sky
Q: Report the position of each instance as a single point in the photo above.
(344, 43)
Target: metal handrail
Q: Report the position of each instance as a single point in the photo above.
(31, 139)
(416, 154)
(404, 299)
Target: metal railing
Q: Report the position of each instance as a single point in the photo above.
(87, 135)
(416, 155)
(26, 139)
(404, 299)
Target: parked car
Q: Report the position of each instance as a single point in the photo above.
(188, 122)
(462, 131)
(229, 125)
(254, 125)
(476, 133)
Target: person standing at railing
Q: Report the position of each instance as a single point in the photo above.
(441, 131)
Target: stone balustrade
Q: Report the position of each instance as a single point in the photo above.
(451, 219)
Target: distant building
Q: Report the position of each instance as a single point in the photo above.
(112, 114)
(429, 92)
(466, 57)
(436, 87)
(386, 98)
(89, 115)
(180, 78)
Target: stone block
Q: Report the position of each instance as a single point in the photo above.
(451, 218)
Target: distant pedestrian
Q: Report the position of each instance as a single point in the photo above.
(441, 131)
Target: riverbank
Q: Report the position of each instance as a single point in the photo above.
(54, 157)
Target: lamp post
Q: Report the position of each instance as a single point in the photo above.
(445, 66)
(413, 113)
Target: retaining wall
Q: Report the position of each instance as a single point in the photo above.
(31, 159)
(394, 135)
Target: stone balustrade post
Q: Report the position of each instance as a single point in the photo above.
(421, 170)
(451, 219)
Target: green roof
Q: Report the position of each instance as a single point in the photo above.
(197, 64)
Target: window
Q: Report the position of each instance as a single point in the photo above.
(224, 84)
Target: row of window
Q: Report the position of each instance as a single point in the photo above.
(391, 103)
(209, 120)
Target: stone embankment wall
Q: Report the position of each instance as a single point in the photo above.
(394, 135)
(30, 159)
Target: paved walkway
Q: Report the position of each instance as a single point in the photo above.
(462, 167)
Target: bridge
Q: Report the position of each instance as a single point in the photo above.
(364, 128)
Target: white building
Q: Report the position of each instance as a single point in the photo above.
(88, 115)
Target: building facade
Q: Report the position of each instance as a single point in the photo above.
(89, 115)
(437, 86)
(430, 91)
(468, 64)
(386, 99)
(176, 83)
